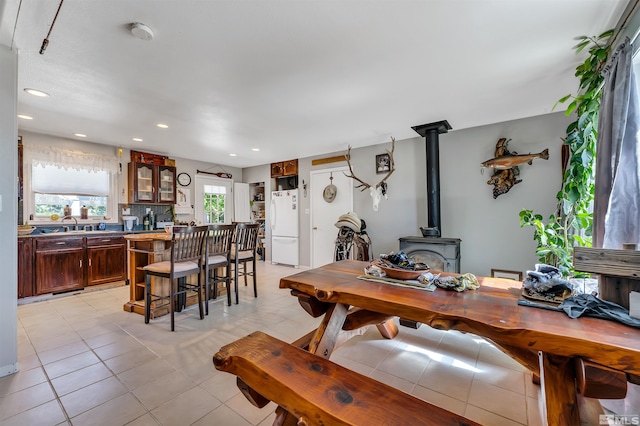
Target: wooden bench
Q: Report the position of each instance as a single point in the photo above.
(317, 391)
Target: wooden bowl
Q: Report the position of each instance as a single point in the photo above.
(401, 274)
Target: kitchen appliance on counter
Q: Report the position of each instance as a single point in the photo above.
(129, 222)
(284, 227)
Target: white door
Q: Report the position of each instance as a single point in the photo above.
(213, 203)
(241, 205)
(324, 215)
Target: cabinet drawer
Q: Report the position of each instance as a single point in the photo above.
(59, 243)
(105, 241)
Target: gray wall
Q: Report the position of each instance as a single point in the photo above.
(489, 229)
(9, 211)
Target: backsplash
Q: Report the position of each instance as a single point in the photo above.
(162, 213)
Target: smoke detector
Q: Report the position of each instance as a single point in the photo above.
(141, 31)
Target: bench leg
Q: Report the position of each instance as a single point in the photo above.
(388, 329)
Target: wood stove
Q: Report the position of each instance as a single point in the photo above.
(441, 254)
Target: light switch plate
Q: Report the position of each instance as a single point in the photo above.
(634, 304)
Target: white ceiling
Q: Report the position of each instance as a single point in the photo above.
(293, 78)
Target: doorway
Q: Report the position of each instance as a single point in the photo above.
(325, 214)
(213, 203)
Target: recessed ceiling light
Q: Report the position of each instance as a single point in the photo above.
(137, 139)
(232, 155)
(255, 149)
(162, 126)
(36, 92)
(80, 135)
(26, 117)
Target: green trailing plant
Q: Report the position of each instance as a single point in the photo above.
(572, 222)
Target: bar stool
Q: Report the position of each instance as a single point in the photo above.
(188, 251)
(244, 251)
(219, 242)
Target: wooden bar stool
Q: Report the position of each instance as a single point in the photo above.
(188, 251)
(219, 241)
(244, 251)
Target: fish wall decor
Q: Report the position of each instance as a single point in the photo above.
(505, 165)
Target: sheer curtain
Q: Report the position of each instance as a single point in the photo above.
(617, 187)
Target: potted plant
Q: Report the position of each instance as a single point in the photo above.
(572, 222)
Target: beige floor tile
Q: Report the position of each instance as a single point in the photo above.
(223, 415)
(500, 376)
(405, 362)
(498, 401)
(17, 402)
(488, 418)
(146, 420)
(393, 381)
(186, 408)
(21, 380)
(122, 346)
(49, 413)
(531, 389)
(534, 411)
(61, 352)
(71, 364)
(490, 354)
(119, 411)
(222, 386)
(443, 401)
(92, 396)
(27, 362)
(449, 376)
(130, 360)
(80, 378)
(105, 338)
(247, 411)
(159, 391)
(365, 370)
(145, 373)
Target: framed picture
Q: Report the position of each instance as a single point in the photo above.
(504, 273)
(383, 163)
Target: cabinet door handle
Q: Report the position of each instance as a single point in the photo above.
(80, 263)
(106, 241)
(61, 243)
(89, 262)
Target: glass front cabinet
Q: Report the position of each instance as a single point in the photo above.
(151, 183)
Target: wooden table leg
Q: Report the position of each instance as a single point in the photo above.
(324, 341)
(557, 376)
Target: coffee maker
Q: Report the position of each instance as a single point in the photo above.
(129, 222)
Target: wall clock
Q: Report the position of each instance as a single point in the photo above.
(184, 179)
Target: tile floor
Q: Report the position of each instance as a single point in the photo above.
(85, 361)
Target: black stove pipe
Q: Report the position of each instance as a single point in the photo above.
(431, 132)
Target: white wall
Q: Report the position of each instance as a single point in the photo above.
(8, 212)
(489, 229)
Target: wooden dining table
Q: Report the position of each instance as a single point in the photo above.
(549, 343)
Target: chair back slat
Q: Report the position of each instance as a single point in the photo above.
(220, 239)
(188, 243)
(247, 236)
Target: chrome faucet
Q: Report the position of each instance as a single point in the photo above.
(75, 227)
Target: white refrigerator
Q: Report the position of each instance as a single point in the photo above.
(284, 227)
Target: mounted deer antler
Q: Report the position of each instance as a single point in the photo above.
(380, 189)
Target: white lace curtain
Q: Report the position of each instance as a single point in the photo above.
(43, 155)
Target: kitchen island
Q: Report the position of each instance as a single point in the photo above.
(142, 250)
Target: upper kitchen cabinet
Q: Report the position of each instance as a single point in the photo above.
(284, 168)
(151, 183)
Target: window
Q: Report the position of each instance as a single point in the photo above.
(55, 188)
(57, 180)
(214, 200)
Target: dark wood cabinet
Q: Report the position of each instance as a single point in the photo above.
(59, 264)
(151, 183)
(106, 260)
(25, 267)
(55, 264)
(290, 168)
(284, 168)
